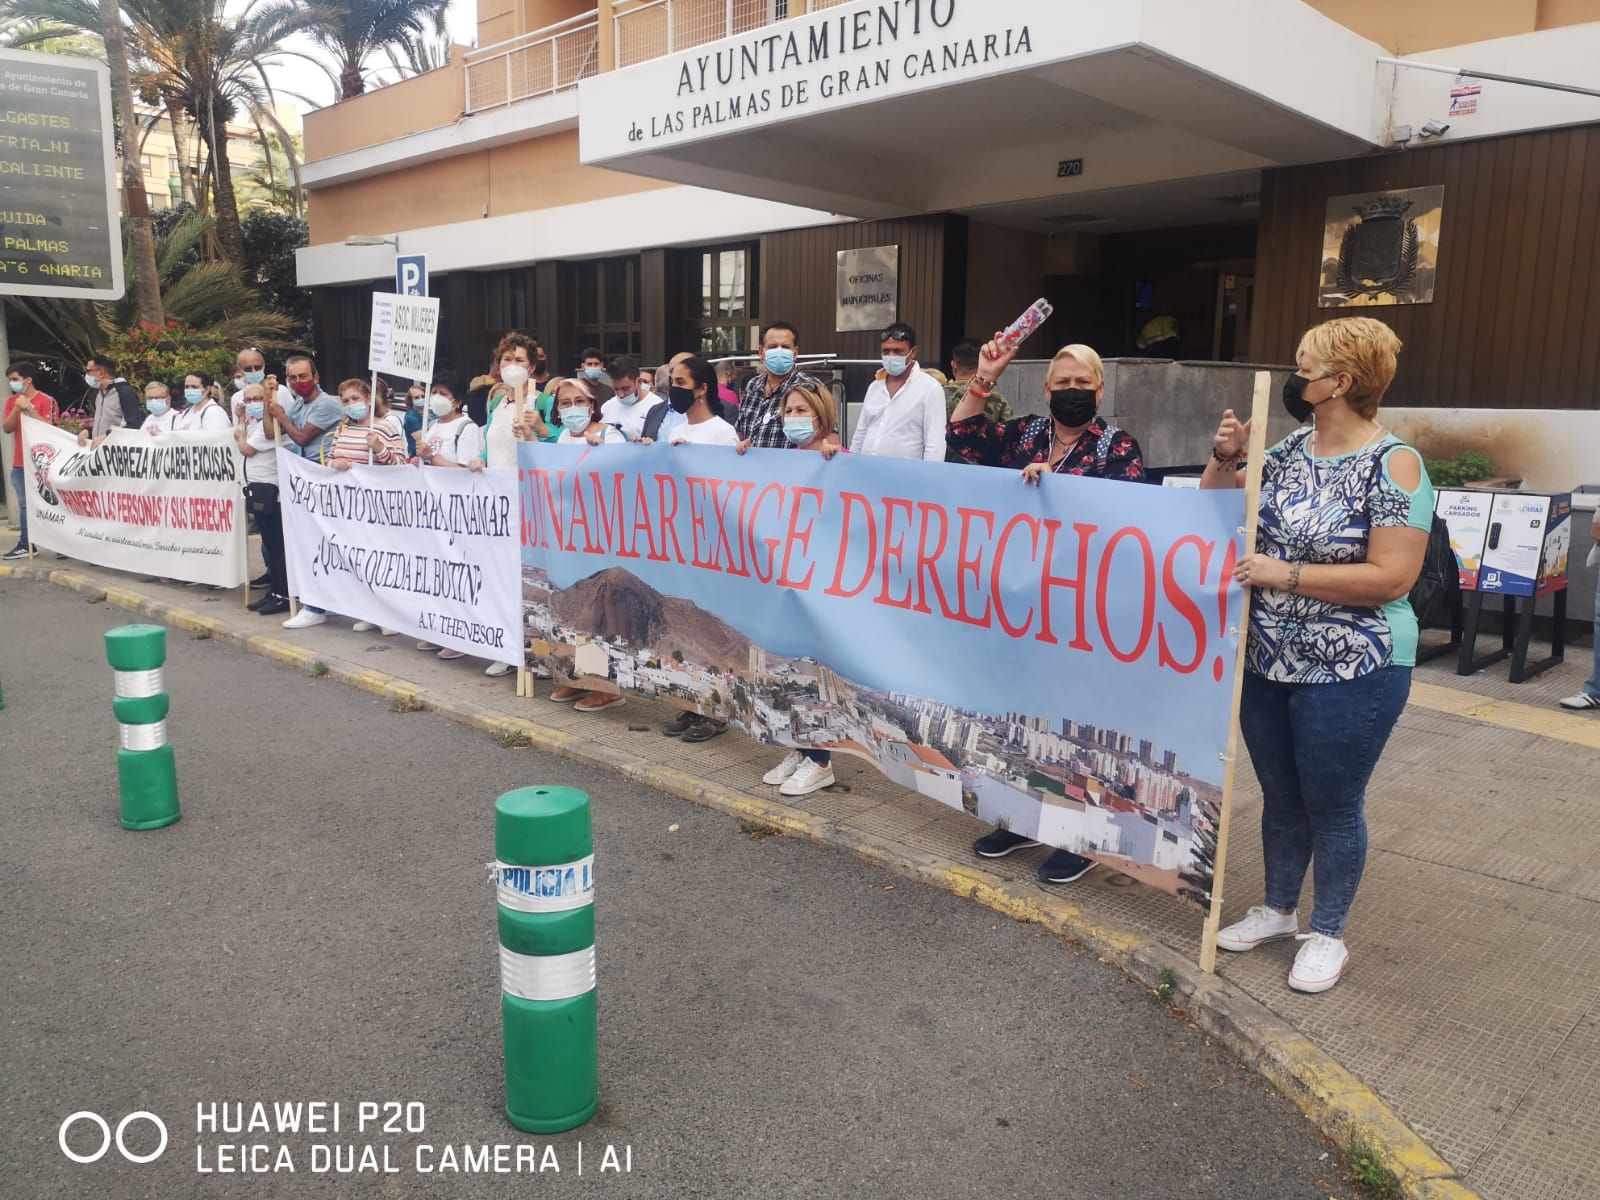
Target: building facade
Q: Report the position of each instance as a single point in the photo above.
(1186, 179)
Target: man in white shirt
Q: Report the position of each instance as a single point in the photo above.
(903, 415)
(633, 401)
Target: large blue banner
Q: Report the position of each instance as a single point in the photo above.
(1056, 659)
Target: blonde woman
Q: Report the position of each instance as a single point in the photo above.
(1345, 512)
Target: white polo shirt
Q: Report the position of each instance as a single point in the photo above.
(909, 424)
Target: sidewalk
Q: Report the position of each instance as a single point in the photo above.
(1472, 1005)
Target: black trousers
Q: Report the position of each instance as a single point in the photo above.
(262, 499)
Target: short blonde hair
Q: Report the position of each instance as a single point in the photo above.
(1084, 354)
(819, 400)
(1365, 349)
(361, 385)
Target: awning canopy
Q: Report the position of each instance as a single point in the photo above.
(886, 107)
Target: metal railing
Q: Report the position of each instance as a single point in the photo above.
(646, 29)
(539, 63)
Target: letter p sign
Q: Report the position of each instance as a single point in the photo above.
(411, 275)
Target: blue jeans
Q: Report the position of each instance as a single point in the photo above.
(820, 757)
(20, 491)
(1592, 684)
(1314, 746)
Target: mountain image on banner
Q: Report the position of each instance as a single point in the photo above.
(616, 605)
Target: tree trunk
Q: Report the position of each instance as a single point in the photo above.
(351, 84)
(146, 282)
(180, 149)
(230, 235)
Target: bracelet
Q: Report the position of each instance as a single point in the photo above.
(1224, 459)
(983, 381)
(978, 393)
(1294, 577)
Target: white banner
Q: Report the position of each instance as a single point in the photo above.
(171, 505)
(434, 553)
(404, 329)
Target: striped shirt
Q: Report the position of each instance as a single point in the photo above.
(349, 444)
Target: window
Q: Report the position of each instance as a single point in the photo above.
(722, 303)
(158, 201)
(609, 306)
(145, 165)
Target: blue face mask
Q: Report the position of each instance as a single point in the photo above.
(779, 361)
(90, 381)
(631, 398)
(575, 419)
(356, 411)
(254, 409)
(16, 387)
(192, 395)
(896, 364)
(156, 405)
(417, 402)
(255, 376)
(799, 430)
(594, 373)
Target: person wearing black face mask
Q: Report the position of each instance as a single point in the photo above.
(1345, 510)
(1073, 440)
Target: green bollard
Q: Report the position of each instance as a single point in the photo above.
(544, 882)
(147, 776)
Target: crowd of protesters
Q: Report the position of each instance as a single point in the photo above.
(1345, 513)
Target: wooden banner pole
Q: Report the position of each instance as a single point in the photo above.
(1252, 506)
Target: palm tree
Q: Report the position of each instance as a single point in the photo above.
(196, 60)
(145, 285)
(418, 55)
(353, 31)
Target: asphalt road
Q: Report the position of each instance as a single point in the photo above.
(777, 1019)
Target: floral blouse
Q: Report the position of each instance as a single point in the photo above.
(1027, 440)
(1321, 511)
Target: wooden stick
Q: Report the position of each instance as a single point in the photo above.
(1252, 511)
(372, 415)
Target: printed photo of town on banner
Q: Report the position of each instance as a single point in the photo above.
(1137, 786)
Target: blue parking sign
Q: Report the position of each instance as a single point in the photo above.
(411, 275)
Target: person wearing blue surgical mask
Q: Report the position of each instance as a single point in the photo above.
(201, 411)
(253, 432)
(579, 415)
(412, 420)
(632, 400)
(902, 415)
(592, 366)
(158, 407)
(760, 418)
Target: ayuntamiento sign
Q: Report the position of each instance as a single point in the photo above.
(59, 229)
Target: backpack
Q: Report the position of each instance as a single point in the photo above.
(1434, 595)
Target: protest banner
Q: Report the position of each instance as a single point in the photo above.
(1060, 660)
(171, 505)
(432, 553)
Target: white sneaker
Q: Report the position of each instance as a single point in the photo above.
(1261, 924)
(388, 632)
(1583, 700)
(305, 619)
(497, 669)
(790, 764)
(362, 627)
(810, 776)
(1319, 964)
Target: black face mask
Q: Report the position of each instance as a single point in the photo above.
(1073, 406)
(681, 398)
(541, 368)
(1294, 397)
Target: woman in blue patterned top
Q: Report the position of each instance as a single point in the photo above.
(1344, 519)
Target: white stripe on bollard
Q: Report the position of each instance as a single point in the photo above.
(547, 976)
(136, 685)
(545, 889)
(144, 737)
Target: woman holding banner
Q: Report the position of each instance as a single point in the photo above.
(1345, 512)
(364, 437)
(201, 411)
(1073, 440)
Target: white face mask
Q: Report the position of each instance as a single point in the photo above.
(514, 375)
(442, 406)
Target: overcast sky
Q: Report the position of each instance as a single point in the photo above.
(297, 75)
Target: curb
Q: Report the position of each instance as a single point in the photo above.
(1343, 1107)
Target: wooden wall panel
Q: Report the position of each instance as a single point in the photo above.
(1515, 319)
(797, 281)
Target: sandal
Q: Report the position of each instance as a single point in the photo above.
(597, 701)
(704, 730)
(566, 695)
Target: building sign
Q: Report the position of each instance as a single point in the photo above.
(1381, 248)
(411, 275)
(826, 60)
(1069, 168)
(1464, 100)
(59, 229)
(869, 288)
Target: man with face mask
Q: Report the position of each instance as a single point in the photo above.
(115, 405)
(309, 424)
(631, 401)
(250, 366)
(760, 418)
(903, 413)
